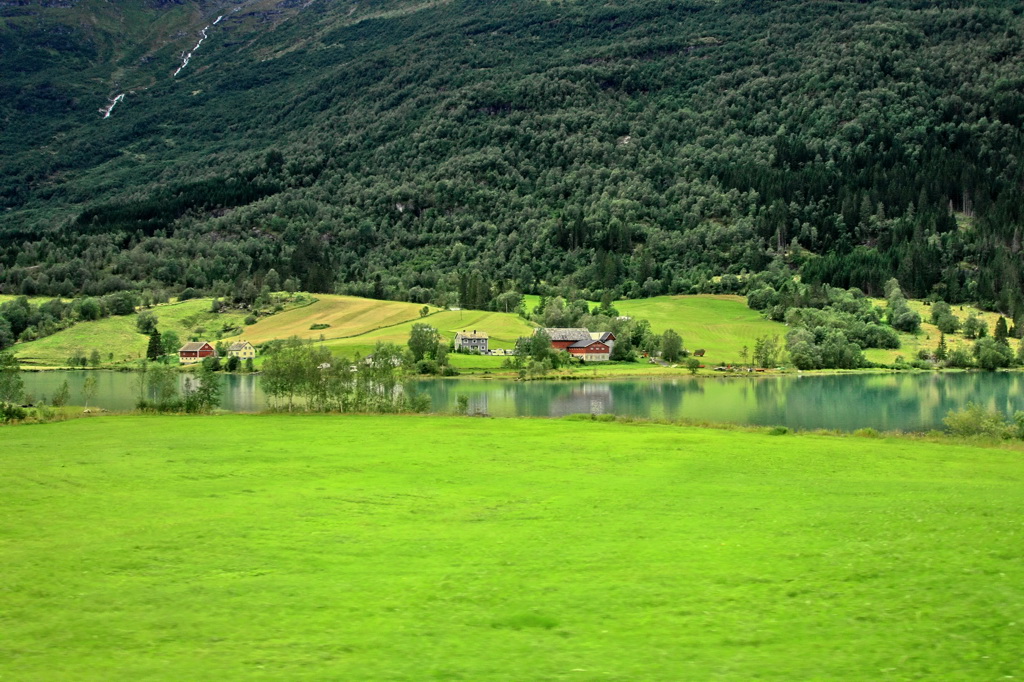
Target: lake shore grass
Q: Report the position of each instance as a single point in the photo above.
(410, 548)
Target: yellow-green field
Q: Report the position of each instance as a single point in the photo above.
(347, 316)
(720, 324)
(503, 329)
(117, 339)
(928, 337)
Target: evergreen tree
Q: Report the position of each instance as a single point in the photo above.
(155, 347)
(1001, 333)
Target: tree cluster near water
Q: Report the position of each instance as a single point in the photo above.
(160, 389)
(830, 327)
(300, 376)
(467, 150)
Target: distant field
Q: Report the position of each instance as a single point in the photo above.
(418, 548)
(503, 328)
(345, 315)
(117, 339)
(720, 324)
(928, 337)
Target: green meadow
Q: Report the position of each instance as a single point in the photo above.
(415, 548)
(117, 339)
(720, 324)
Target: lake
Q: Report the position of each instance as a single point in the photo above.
(904, 402)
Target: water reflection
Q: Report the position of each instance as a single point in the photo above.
(907, 402)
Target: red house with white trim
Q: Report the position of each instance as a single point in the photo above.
(582, 343)
(195, 351)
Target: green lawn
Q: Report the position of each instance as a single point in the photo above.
(417, 548)
(721, 324)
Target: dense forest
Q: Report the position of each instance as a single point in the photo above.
(453, 151)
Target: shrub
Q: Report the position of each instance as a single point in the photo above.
(778, 431)
(975, 420)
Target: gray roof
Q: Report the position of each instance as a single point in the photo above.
(193, 345)
(567, 333)
(238, 345)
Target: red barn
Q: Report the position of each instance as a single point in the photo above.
(195, 351)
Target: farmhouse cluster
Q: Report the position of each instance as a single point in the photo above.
(578, 342)
(196, 351)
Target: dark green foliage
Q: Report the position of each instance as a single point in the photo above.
(155, 348)
(146, 322)
(423, 341)
(1001, 332)
(671, 346)
(992, 355)
(960, 357)
(466, 150)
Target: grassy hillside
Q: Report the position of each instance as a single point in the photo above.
(345, 315)
(118, 340)
(443, 548)
(722, 325)
(503, 328)
(928, 337)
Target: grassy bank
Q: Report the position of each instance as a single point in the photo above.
(391, 548)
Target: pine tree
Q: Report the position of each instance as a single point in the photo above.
(941, 352)
(155, 349)
(1001, 333)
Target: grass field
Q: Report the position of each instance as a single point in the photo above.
(414, 548)
(503, 328)
(721, 324)
(118, 336)
(345, 315)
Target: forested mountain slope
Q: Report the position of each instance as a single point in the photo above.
(423, 150)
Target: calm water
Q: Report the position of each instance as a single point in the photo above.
(906, 402)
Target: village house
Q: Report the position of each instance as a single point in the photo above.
(582, 343)
(242, 350)
(471, 341)
(195, 351)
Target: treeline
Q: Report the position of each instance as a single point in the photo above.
(645, 148)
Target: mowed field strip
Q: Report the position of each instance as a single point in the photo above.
(345, 315)
(503, 329)
(411, 548)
